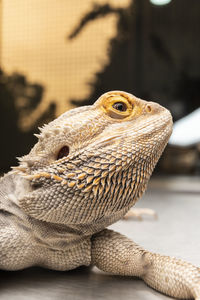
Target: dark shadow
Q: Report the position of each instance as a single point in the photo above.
(18, 98)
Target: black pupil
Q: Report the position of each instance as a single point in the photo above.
(64, 151)
(120, 106)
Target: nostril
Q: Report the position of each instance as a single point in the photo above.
(148, 108)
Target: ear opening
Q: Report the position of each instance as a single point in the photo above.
(63, 152)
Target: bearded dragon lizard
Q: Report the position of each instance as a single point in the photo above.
(88, 168)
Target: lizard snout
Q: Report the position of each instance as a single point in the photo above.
(157, 109)
(154, 108)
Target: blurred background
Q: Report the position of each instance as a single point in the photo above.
(59, 54)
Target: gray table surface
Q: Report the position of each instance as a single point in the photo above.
(176, 232)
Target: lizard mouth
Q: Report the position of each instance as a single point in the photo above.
(108, 141)
(36, 185)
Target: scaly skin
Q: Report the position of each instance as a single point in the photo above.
(87, 170)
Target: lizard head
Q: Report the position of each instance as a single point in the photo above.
(94, 162)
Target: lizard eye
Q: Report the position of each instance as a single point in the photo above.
(117, 105)
(64, 151)
(121, 106)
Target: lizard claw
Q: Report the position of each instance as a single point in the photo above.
(138, 213)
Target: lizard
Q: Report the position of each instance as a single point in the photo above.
(87, 169)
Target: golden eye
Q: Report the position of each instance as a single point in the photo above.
(121, 106)
(116, 105)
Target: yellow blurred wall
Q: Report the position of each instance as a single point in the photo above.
(34, 42)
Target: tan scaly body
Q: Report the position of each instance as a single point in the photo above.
(87, 170)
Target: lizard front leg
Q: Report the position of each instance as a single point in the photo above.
(16, 249)
(118, 255)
